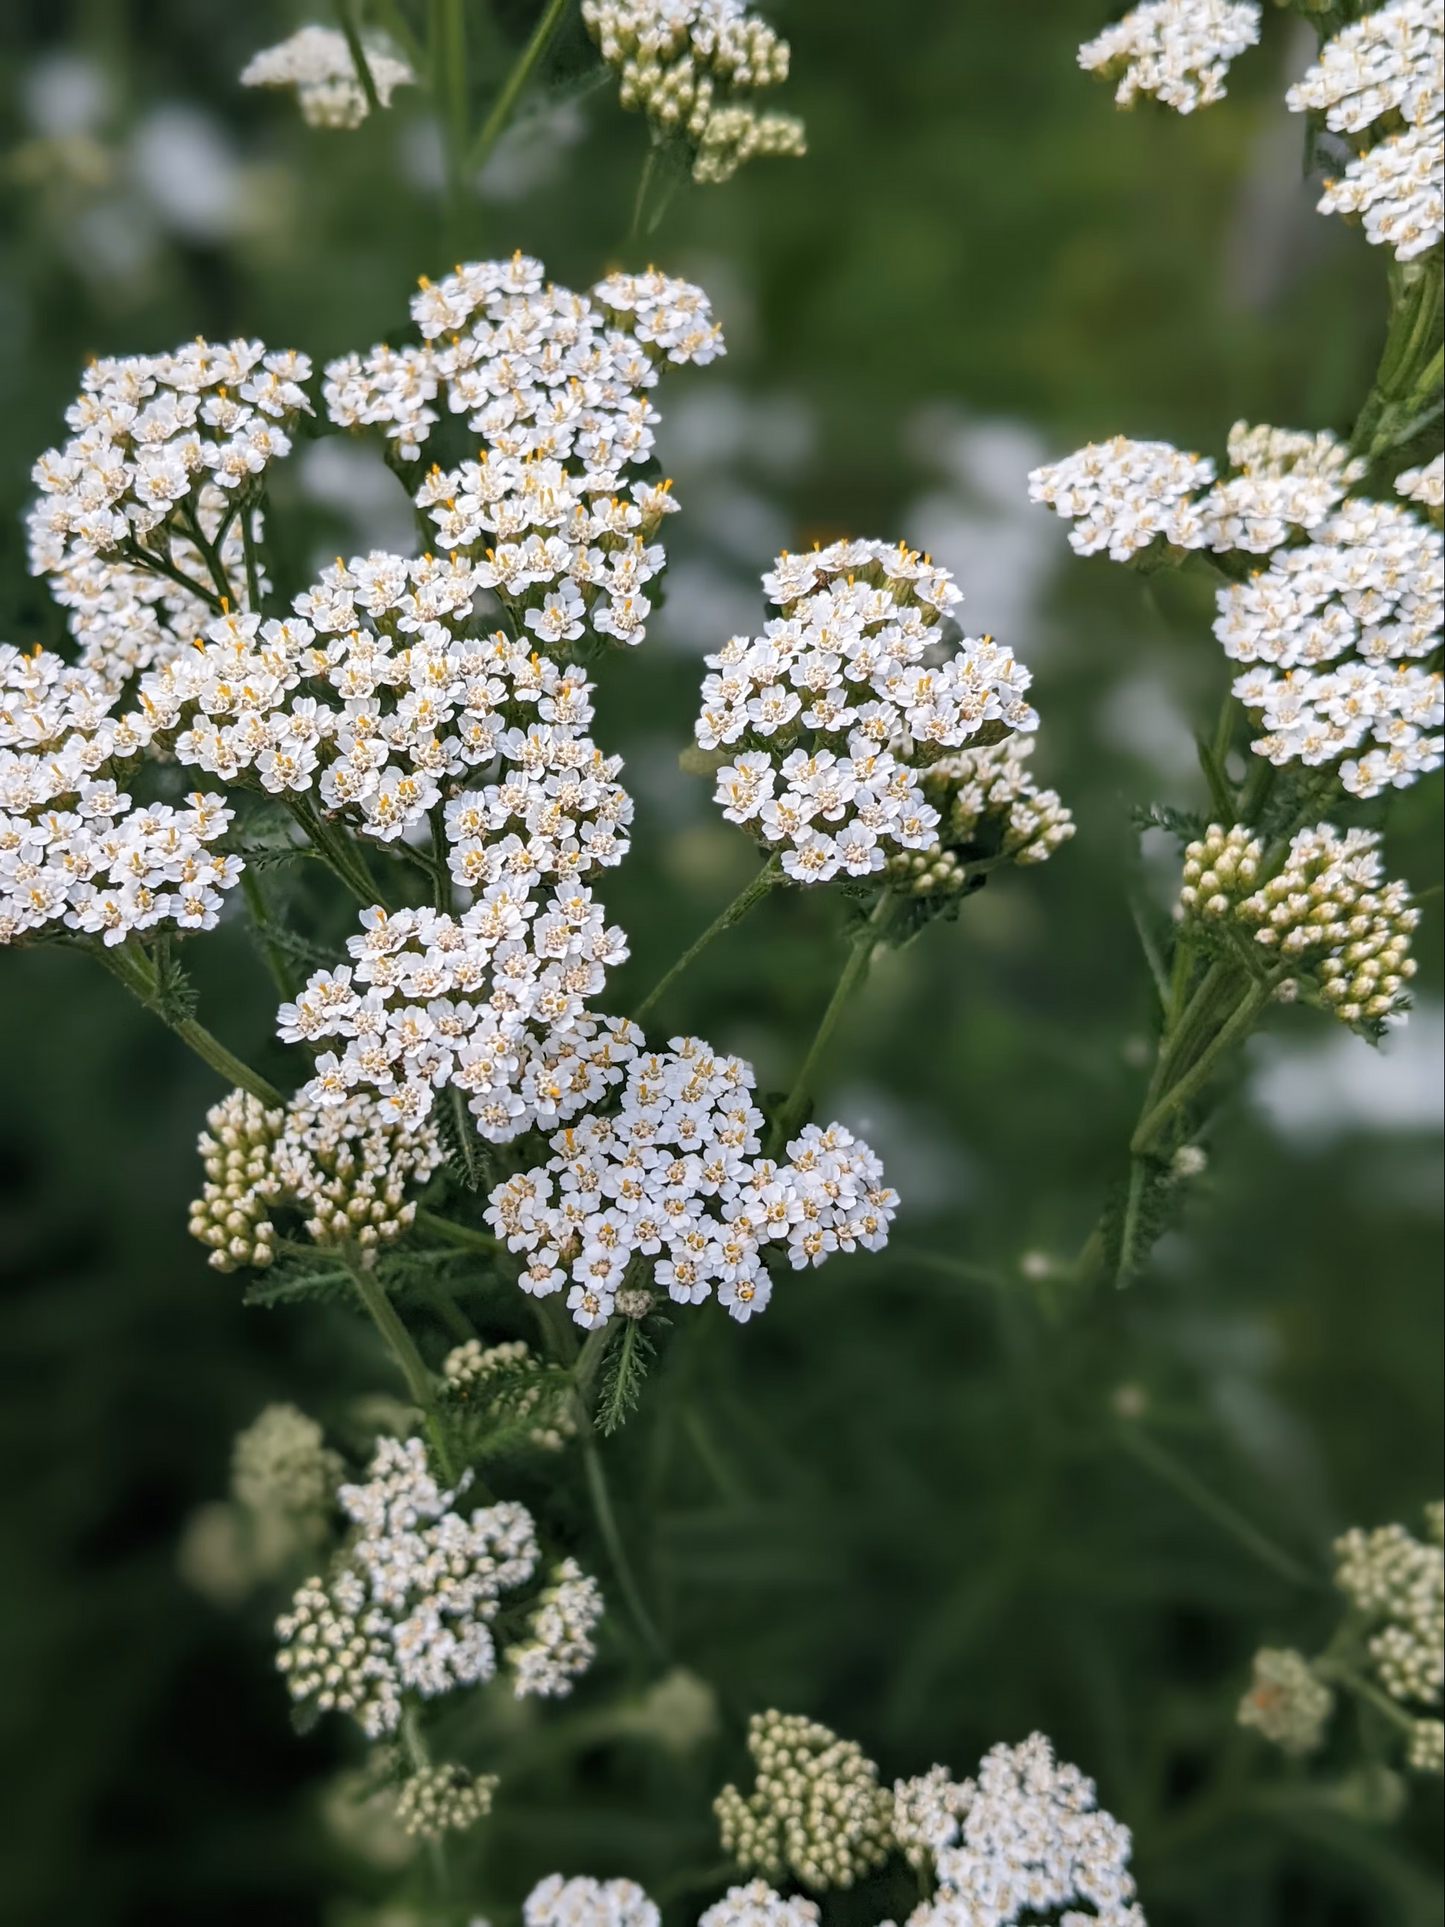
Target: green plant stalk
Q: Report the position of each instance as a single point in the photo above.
(1237, 1025)
(607, 1525)
(1411, 361)
(138, 976)
(1341, 1674)
(347, 17)
(459, 1234)
(644, 185)
(855, 969)
(345, 864)
(207, 552)
(752, 892)
(449, 83)
(145, 558)
(395, 23)
(253, 565)
(494, 125)
(402, 1346)
(276, 962)
(1163, 1464)
(419, 1754)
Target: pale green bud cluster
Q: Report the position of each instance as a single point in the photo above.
(345, 1167)
(280, 1464)
(1328, 912)
(989, 806)
(437, 1800)
(1427, 1746)
(683, 62)
(467, 1370)
(816, 1810)
(1286, 1702)
(1398, 1584)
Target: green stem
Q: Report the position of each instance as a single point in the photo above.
(393, 20)
(1342, 1675)
(459, 1234)
(138, 976)
(160, 565)
(751, 893)
(344, 862)
(501, 111)
(253, 565)
(639, 205)
(1235, 1028)
(1163, 1464)
(359, 61)
(449, 83)
(402, 1346)
(276, 961)
(207, 552)
(612, 1535)
(860, 955)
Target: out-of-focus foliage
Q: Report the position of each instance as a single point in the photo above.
(928, 1498)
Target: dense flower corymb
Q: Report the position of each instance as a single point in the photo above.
(1285, 1701)
(318, 63)
(584, 1902)
(1397, 1583)
(671, 1183)
(816, 1809)
(1177, 50)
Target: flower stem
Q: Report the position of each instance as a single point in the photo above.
(494, 125)
(359, 61)
(138, 976)
(612, 1535)
(751, 893)
(402, 1346)
(1236, 1026)
(855, 969)
(459, 1234)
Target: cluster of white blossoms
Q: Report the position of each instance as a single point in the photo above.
(816, 1810)
(1383, 77)
(345, 1168)
(843, 701)
(1025, 1837)
(1286, 1702)
(409, 1607)
(318, 63)
(758, 1905)
(667, 1183)
(684, 64)
(433, 1801)
(490, 1002)
(558, 1647)
(1178, 51)
(989, 808)
(584, 1902)
(1424, 485)
(1336, 628)
(156, 483)
(1397, 1583)
(471, 1370)
(77, 852)
(1328, 913)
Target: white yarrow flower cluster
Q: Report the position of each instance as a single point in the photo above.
(669, 1186)
(685, 64)
(346, 1168)
(1383, 76)
(757, 1905)
(584, 1902)
(77, 852)
(1286, 1702)
(491, 1002)
(558, 1647)
(433, 1801)
(1397, 1583)
(928, 1812)
(318, 63)
(1178, 51)
(1424, 485)
(1028, 1836)
(410, 1607)
(165, 462)
(841, 703)
(989, 807)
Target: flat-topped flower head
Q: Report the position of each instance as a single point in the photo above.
(318, 63)
(558, 1645)
(1381, 80)
(990, 811)
(156, 490)
(78, 853)
(689, 65)
(816, 1810)
(344, 1168)
(433, 1801)
(835, 712)
(1178, 51)
(665, 1186)
(491, 1002)
(1328, 914)
(584, 1902)
(1396, 1582)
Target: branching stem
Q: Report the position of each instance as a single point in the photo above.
(855, 969)
(494, 125)
(752, 892)
(138, 975)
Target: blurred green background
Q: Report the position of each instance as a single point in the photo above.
(905, 1502)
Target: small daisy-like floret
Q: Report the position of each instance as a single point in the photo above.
(584, 1902)
(1381, 80)
(1178, 51)
(163, 447)
(757, 1905)
(1286, 1702)
(833, 715)
(512, 1376)
(490, 1002)
(345, 1167)
(1397, 1583)
(409, 1608)
(665, 1188)
(433, 1801)
(687, 65)
(318, 63)
(1328, 913)
(1424, 485)
(558, 1647)
(816, 1810)
(77, 852)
